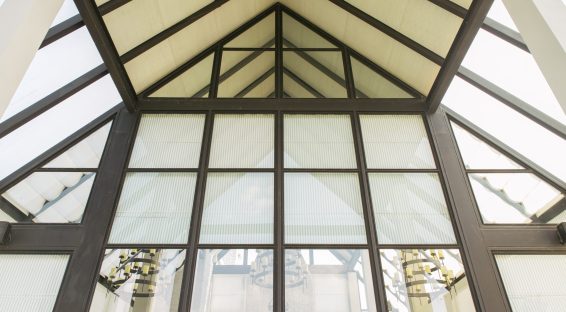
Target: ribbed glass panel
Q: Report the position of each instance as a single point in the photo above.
(154, 208)
(238, 209)
(409, 208)
(318, 141)
(30, 282)
(534, 283)
(168, 141)
(242, 141)
(323, 208)
(396, 142)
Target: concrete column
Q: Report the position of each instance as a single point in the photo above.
(542, 24)
(23, 25)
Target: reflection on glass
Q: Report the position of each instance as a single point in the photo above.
(323, 208)
(246, 74)
(235, 280)
(257, 36)
(242, 141)
(154, 208)
(517, 198)
(321, 280)
(370, 84)
(48, 197)
(425, 280)
(30, 282)
(318, 141)
(409, 208)
(238, 208)
(194, 82)
(139, 279)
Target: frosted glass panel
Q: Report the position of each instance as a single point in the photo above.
(409, 208)
(238, 209)
(154, 208)
(318, 141)
(139, 279)
(534, 282)
(323, 208)
(168, 141)
(30, 282)
(322, 280)
(396, 142)
(235, 280)
(242, 141)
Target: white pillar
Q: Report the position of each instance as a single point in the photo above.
(23, 26)
(542, 24)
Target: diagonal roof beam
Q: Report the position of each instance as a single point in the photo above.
(101, 37)
(255, 83)
(303, 84)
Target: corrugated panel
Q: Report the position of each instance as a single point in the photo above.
(30, 282)
(238, 209)
(318, 141)
(168, 141)
(154, 208)
(396, 142)
(323, 208)
(409, 208)
(242, 141)
(534, 282)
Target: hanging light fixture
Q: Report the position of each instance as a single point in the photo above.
(141, 264)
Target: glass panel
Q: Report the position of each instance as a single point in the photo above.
(321, 280)
(260, 35)
(194, 82)
(533, 282)
(84, 154)
(321, 71)
(297, 35)
(235, 280)
(396, 142)
(319, 141)
(370, 84)
(477, 154)
(409, 208)
(168, 141)
(139, 279)
(30, 282)
(49, 197)
(499, 13)
(238, 209)
(243, 71)
(242, 141)
(154, 208)
(294, 87)
(425, 280)
(323, 208)
(517, 198)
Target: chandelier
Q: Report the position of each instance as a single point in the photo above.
(141, 265)
(261, 269)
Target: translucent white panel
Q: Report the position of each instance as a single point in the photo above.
(370, 84)
(514, 70)
(323, 208)
(298, 35)
(139, 279)
(154, 208)
(425, 280)
(238, 209)
(322, 280)
(257, 36)
(523, 135)
(477, 154)
(396, 142)
(318, 141)
(53, 67)
(84, 154)
(52, 197)
(235, 280)
(194, 82)
(43, 132)
(168, 141)
(30, 282)
(499, 13)
(241, 69)
(516, 198)
(534, 282)
(67, 10)
(409, 208)
(242, 141)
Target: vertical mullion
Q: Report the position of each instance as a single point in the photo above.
(279, 252)
(371, 233)
(278, 52)
(348, 74)
(215, 77)
(192, 251)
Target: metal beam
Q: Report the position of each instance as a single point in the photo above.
(505, 33)
(34, 238)
(255, 83)
(62, 29)
(12, 211)
(111, 5)
(303, 84)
